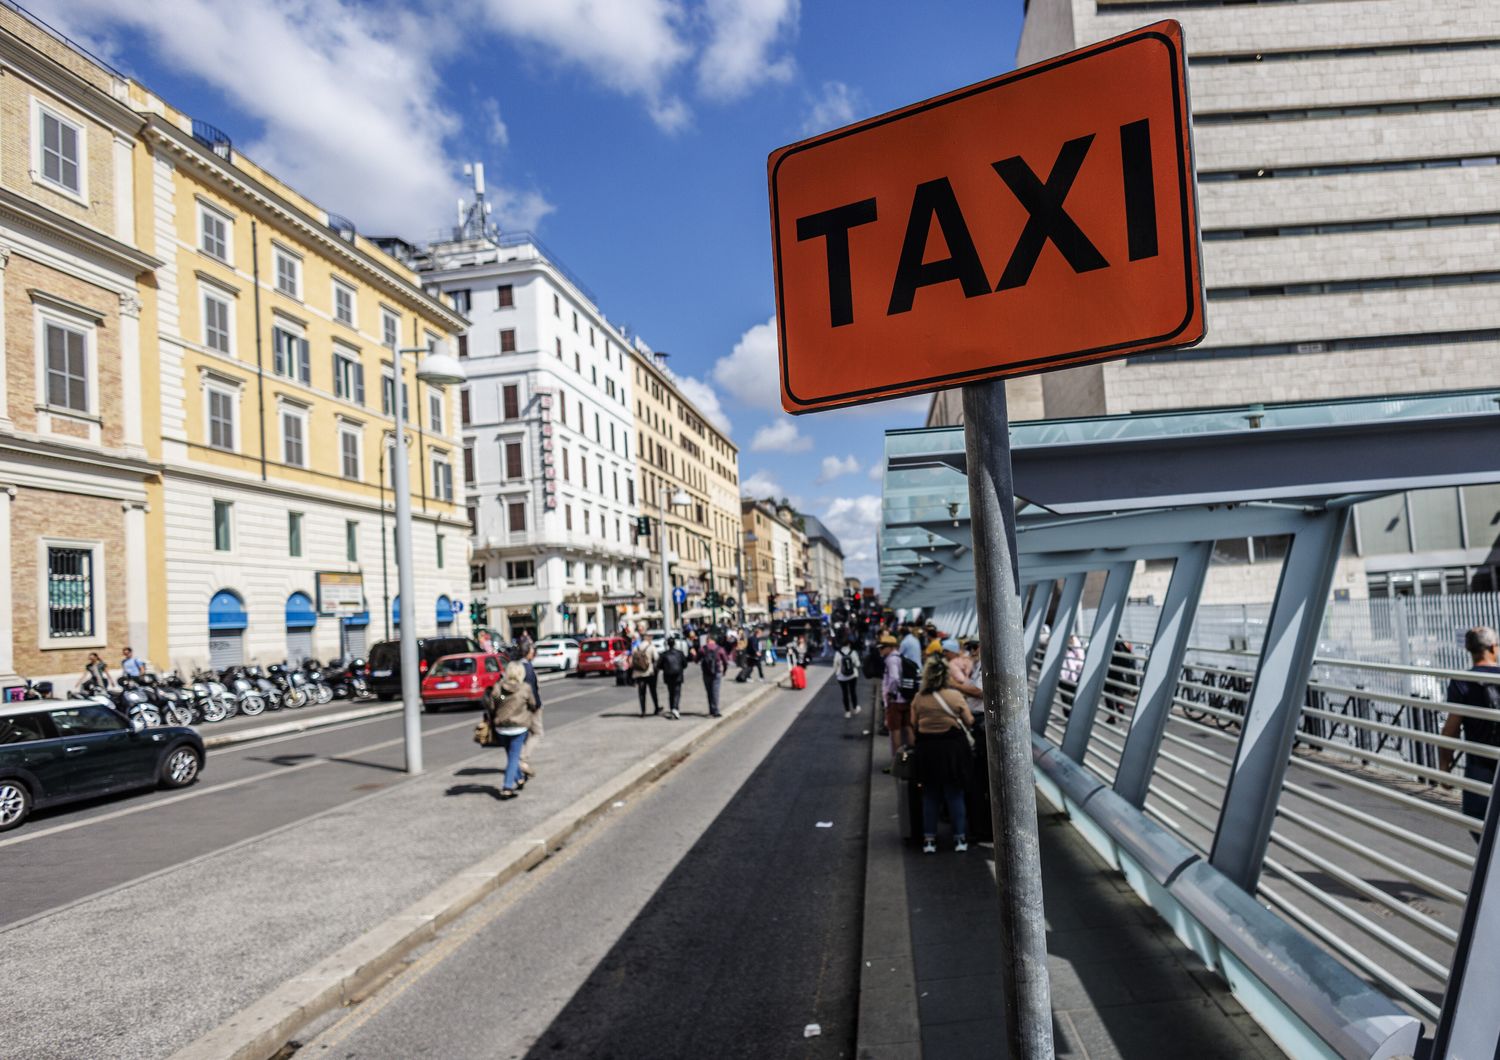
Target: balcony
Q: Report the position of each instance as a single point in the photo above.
(216, 140)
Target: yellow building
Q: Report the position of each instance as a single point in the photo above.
(679, 450)
(277, 325)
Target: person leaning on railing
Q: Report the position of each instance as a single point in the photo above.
(1481, 644)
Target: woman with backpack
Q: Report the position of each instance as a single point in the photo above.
(945, 753)
(643, 673)
(846, 670)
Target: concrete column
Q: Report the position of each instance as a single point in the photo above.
(1275, 704)
(137, 581)
(1153, 703)
(130, 371)
(1046, 683)
(1096, 661)
(7, 589)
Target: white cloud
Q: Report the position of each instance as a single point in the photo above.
(742, 35)
(631, 46)
(760, 484)
(495, 129)
(371, 145)
(835, 105)
(856, 521)
(876, 472)
(751, 374)
(706, 398)
(834, 466)
(780, 437)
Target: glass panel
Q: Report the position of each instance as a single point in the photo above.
(1434, 518)
(1482, 514)
(1382, 526)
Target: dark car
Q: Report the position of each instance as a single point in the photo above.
(383, 669)
(57, 751)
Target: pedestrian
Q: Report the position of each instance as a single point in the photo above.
(945, 752)
(895, 700)
(643, 673)
(976, 678)
(130, 665)
(536, 712)
(846, 667)
(672, 665)
(753, 659)
(1484, 698)
(509, 703)
(911, 647)
(713, 662)
(959, 668)
(95, 672)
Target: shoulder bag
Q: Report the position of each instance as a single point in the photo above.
(968, 736)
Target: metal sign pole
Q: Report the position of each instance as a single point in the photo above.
(1018, 867)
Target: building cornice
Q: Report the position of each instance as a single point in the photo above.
(80, 237)
(81, 455)
(161, 133)
(37, 67)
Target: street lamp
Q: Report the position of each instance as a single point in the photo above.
(437, 368)
(679, 499)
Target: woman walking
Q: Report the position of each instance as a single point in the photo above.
(846, 669)
(512, 719)
(941, 719)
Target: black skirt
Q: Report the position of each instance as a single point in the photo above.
(944, 758)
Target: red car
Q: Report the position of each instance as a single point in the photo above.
(604, 655)
(461, 679)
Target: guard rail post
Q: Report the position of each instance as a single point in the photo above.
(1046, 684)
(1097, 660)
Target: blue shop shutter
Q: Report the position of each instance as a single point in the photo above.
(226, 611)
(444, 611)
(396, 610)
(299, 612)
(358, 621)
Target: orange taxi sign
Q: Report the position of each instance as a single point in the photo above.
(1042, 219)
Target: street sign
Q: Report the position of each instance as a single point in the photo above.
(1042, 219)
(679, 595)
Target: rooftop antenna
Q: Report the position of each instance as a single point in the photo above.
(473, 219)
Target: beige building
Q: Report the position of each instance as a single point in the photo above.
(775, 559)
(680, 451)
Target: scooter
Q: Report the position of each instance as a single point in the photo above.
(171, 699)
(214, 701)
(293, 692)
(247, 697)
(319, 688)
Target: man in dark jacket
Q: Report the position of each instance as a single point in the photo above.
(672, 665)
(753, 653)
(714, 662)
(1481, 643)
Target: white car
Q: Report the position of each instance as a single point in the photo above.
(556, 653)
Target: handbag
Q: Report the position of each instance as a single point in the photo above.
(904, 765)
(484, 732)
(968, 735)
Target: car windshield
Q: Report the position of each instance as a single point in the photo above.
(464, 665)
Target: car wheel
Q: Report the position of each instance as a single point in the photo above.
(15, 804)
(180, 768)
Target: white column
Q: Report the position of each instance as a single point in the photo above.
(7, 593)
(5, 421)
(137, 602)
(130, 370)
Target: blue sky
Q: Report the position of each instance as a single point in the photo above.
(630, 135)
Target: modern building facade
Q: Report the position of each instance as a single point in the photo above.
(682, 452)
(548, 452)
(1349, 169)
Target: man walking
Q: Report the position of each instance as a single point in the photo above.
(672, 665)
(897, 699)
(643, 673)
(130, 666)
(753, 660)
(714, 662)
(1484, 698)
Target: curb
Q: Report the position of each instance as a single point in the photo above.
(889, 1025)
(261, 1030)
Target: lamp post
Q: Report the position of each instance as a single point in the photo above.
(438, 368)
(679, 499)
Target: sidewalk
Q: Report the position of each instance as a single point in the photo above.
(1123, 986)
(172, 958)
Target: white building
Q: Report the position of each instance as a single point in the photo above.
(548, 461)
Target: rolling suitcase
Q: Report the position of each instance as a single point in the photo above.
(799, 677)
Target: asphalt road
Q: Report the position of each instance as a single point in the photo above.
(711, 917)
(67, 854)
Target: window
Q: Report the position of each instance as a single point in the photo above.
(349, 454)
(469, 463)
(439, 543)
(442, 478)
(562, 407)
(583, 471)
(216, 330)
(505, 296)
(461, 300)
(435, 412)
(84, 720)
(516, 516)
(223, 539)
(565, 466)
(568, 516)
(290, 355)
(288, 273)
(520, 571)
(390, 329)
(294, 437)
(512, 399)
(67, 367)
(62, 152)
(70, 592)
(570, 569)
(513, 471)
(575, 322)
(294, 533)
(473, 513)
(556, 307)
(213, 233)
(348, 376)
(351, 541)
(588, 520)
(476, 575)
(221, 418)
(343, 303)
(559, 349)
(507, 340)
(464, 415)
(387, 405)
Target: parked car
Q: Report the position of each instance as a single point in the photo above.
(58, 751)
(556, 653)
(604, 655)
(461, 680)
(383, 670)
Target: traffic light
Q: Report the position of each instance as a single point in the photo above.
(479, 612)
(643, 526)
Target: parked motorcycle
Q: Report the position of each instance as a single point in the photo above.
(213, 701)
(247, 697)
(321, 690)
(171, 699)
(348, 680)
(294, 691)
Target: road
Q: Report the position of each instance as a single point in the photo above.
(715, 916)
(248, 790)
